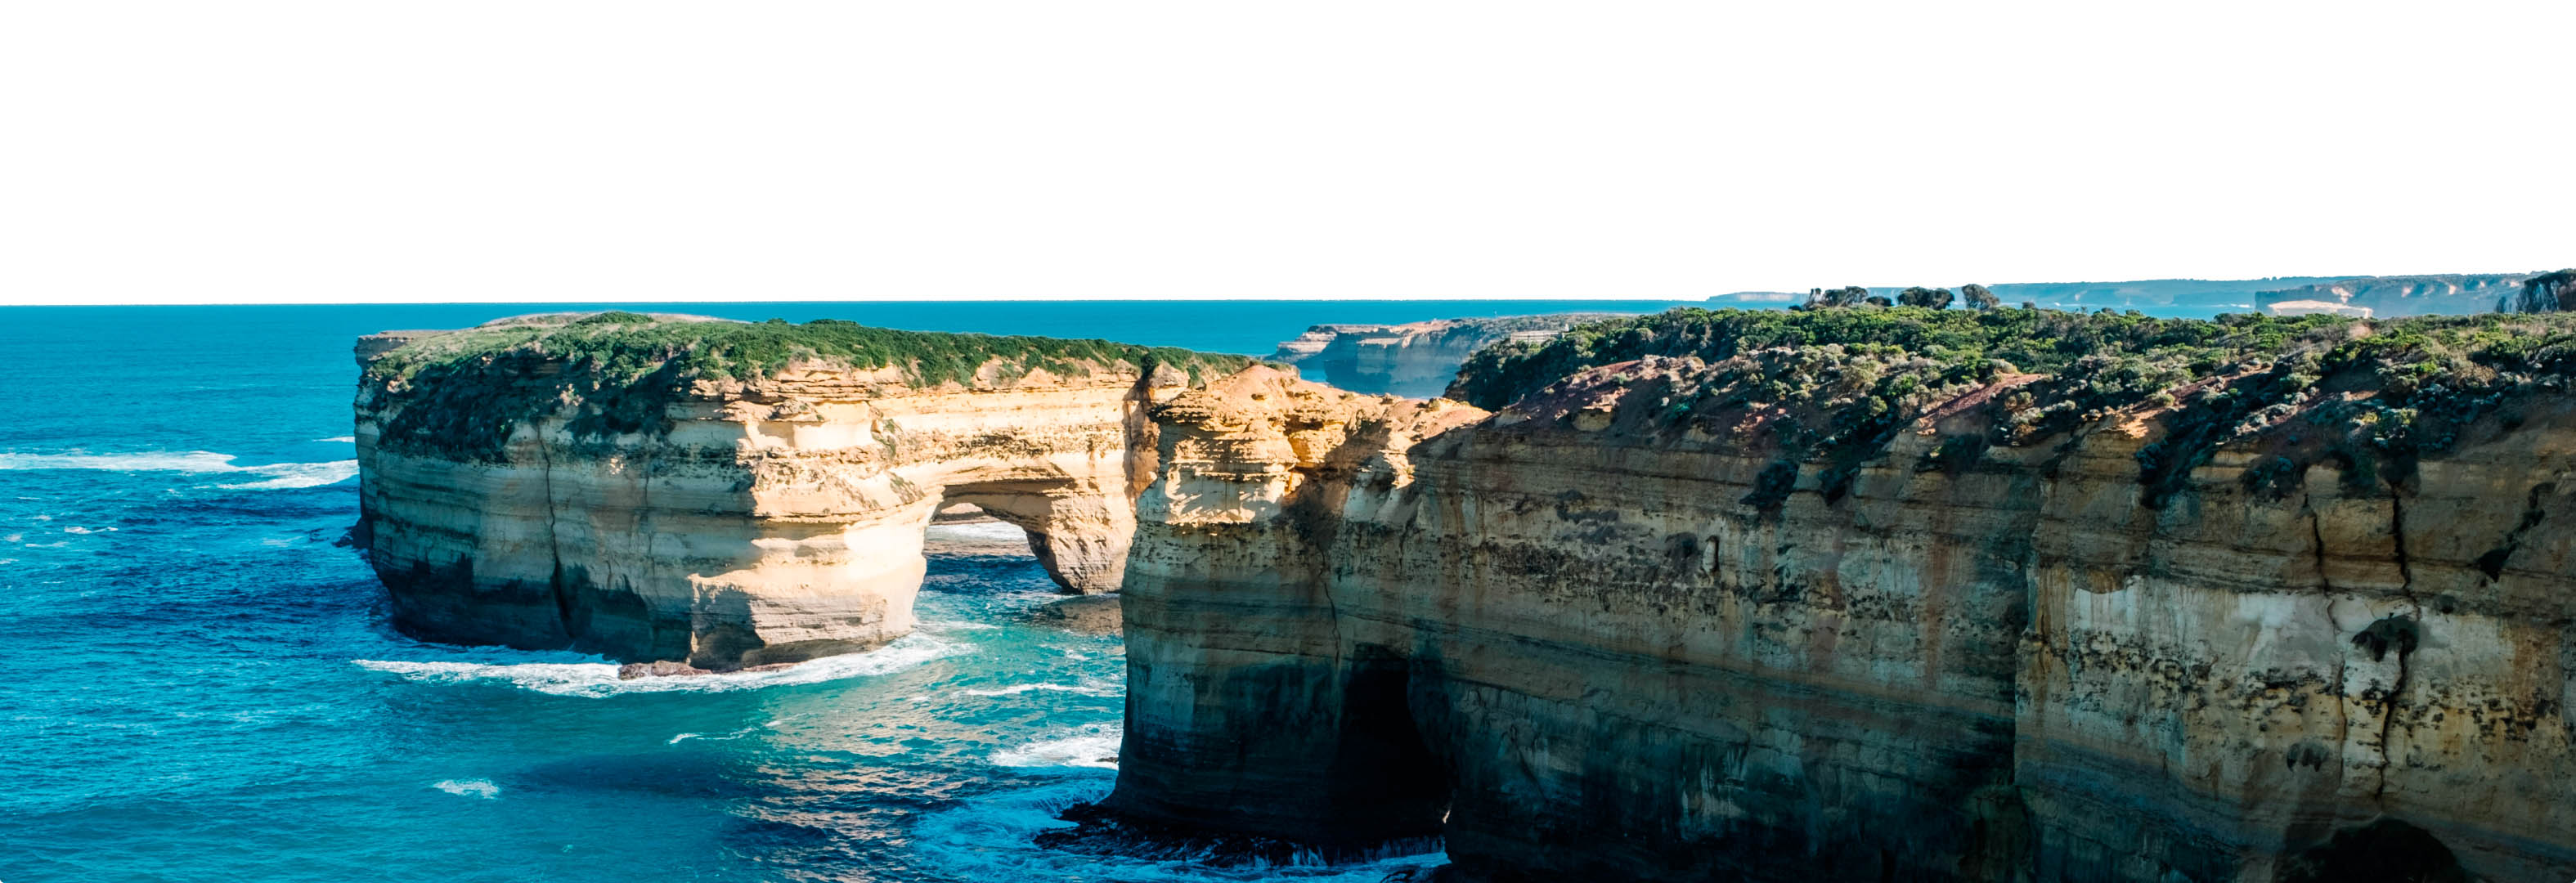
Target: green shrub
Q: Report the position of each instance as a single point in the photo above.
(1835, 386)
(464, 392)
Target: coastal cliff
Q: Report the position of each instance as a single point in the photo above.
(1416, 359)
(724, 494)
(2389, 297)
(1881, 594)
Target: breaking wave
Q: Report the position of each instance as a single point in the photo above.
(598, 680)
(1094, 746)
(277, 475)
(482, 788)
(1087, 687)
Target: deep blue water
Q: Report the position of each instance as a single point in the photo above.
(201, 686)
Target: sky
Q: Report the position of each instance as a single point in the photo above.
(551, 150)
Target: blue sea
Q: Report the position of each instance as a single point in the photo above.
(201, 685)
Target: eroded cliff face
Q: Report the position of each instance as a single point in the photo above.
(732, 522)
(1416, 359)
(1609, 648)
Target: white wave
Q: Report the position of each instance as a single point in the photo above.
(976, 532)
(597, 680)
(295, 475)
(728, 737)
(482, 788)
(348, 439)
(1087, 688)
(1094, 746)
(79, 529)
(278, 475)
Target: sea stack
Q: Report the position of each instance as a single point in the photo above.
(724, 494)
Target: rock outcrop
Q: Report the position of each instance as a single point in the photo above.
(1640, 625)
(1417, 359)
(731, 494)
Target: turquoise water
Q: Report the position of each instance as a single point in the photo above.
(202, 686)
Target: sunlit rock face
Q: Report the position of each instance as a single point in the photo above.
(1584, 647)
(740, 521)
(1416, 359)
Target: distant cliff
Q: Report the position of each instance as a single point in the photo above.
(1881, 594)
(2213, 294)
(1417, 359)
(2389, 297)
(724, 494)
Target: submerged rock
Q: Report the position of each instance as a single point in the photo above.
(665, 669)
(1084, 614)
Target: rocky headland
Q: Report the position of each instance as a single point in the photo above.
(716, 495)
(1878, 594)
(1829, 594)
(2388, 297)
(1417, 359)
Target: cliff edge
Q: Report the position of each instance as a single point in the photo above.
(725, 494)
(1881, 594)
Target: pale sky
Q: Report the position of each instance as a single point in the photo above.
(530, 150)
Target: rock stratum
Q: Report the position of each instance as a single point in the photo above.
(718, 495)
(1880, 594)
(1417, 359)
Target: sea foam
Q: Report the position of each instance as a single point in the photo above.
(277, 475)
(1094, 747)
(1087, 687)
(598, 680)
(482, 788)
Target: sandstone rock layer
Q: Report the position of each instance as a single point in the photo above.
(1583, 648)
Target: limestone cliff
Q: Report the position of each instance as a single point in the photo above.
(728, 494)
(2011, 596)
(1417, 359)
(2389, 297)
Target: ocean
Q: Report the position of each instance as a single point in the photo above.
(202, 686)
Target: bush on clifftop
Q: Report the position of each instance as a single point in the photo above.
(463, 392)
(1837, 385)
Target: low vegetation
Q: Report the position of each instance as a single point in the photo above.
(1837, 385)
(464, 392)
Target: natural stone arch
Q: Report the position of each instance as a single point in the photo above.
(1078, 530)
(741, 522)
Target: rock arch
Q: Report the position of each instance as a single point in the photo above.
(761, 522)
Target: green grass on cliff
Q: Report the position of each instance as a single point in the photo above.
(1837, 385)
(463, 392)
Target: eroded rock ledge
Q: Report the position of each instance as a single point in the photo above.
(1677, 618)
(722, 495)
